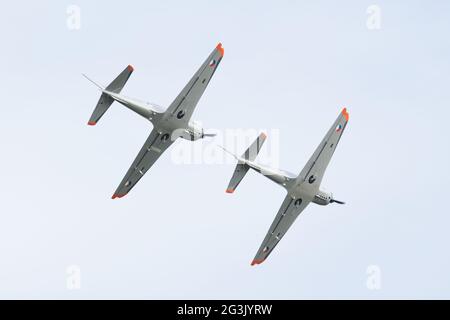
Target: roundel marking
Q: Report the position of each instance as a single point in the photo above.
(180, 114)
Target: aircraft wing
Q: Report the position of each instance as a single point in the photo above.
(156, 144)
(289, 211)
(184, 104)
(315, 167)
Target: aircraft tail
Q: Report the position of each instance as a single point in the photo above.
(242, 168)
(106, 100)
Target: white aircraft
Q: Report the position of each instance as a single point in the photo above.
(301, 189)
(168, 125)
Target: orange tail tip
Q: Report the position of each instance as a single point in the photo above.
(345, 114)
(220, 48)
(263, 135)
(130, 68)
(115, 195)
(92, 123)
(230, 190)
(255, 261)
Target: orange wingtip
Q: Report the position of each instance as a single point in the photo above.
(130, 68)
(255, 261)
(92, 123)
(263, 135)
(115, 195)
(230, 190)
(345, 113)
(220, 48)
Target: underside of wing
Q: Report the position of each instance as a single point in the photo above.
(315, 168)
(288, 212)
(184, 104)
(152, 149)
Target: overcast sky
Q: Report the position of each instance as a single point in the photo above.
(289, 68)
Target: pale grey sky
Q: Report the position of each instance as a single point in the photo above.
(289, 68)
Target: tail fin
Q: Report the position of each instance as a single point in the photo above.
(105, 100)
(242, 168)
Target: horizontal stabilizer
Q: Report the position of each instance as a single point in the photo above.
(242, 168)
(119, 82)
(105, 100)
(102, 105)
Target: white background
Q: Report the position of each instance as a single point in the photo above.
(289, 67)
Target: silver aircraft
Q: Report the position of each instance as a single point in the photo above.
(168, 125)
(301, 189)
